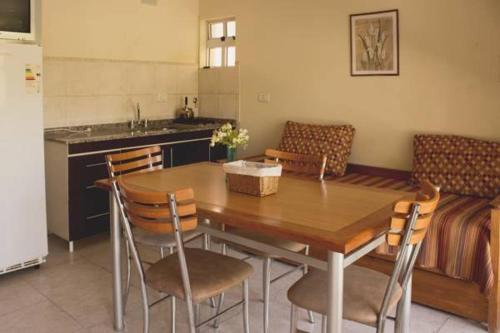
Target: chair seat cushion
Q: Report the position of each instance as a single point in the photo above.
(144, 237)
(210, 274)
(259, 237)
(364, 291)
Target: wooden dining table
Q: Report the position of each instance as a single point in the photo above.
(348, 221)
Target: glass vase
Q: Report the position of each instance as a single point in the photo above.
(231, 154)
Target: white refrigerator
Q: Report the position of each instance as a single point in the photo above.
(23, 225)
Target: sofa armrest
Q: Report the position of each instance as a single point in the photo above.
(496, 202)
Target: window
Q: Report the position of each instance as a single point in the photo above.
(221, 44)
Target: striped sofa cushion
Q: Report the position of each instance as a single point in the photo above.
(457, 242)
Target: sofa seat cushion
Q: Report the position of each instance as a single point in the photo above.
(334, 141)
(457, 241)
(457, 164)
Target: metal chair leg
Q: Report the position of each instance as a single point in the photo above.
(191, 321)
(126, 291)
(145, 306)
(293, 319)
(323, 324)
(162, 253)
(246, 315)
(266, 285)
(310, 316)
(219, 308)
(172, 323)
(197, 316)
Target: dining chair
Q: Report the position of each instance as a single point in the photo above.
(191, 274)
(136, 161)
(369, 295)
(303, 165)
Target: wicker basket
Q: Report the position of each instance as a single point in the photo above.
(253, 178)
(257, 186)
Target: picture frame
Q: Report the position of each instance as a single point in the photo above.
(375, 43)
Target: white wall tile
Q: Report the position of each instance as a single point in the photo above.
(54, 78)
(82, 77)
(208, 81)
(228, 106)
(209, 106)
(165, 78)
(187, 79)
(101, 91)
(141, 78)
(229, 80)
(111, 109)
(81, 110)
(54, 113)
(112, 79)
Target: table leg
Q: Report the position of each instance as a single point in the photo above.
(335, 291)
(117, 273)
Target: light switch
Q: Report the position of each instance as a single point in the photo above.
(264, 98)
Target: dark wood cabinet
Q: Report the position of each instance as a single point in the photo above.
(88, 206)
(190, 152)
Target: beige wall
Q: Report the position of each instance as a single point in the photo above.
(103, 57)
(298, 51)
(156, 30)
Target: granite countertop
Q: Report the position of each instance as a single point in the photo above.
(106, 132)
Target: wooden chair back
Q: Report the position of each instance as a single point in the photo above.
(141, 160)
(310, 165)
(150, 210)
(408, 228)
(427, 200)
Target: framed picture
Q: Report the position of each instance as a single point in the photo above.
(375, 43)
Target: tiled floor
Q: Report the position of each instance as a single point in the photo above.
(72, 293)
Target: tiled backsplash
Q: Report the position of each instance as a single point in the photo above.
(85, 91)
(219, 92)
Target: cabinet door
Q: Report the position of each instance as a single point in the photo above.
(190, 152)
(218, 152)
(88, 205)
(166, 152)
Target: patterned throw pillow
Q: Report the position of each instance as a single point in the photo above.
(459, 165)
(334, 141)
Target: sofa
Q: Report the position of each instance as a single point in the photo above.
(457, 269)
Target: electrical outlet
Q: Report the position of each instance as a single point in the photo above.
(264, 98)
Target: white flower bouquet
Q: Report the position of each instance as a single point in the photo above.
(232, 138)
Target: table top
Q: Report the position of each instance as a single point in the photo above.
(336, 216)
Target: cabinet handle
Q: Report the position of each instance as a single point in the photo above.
(93, 217)
(95, 165)
(90, 187)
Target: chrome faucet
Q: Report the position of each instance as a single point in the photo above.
(138, 122)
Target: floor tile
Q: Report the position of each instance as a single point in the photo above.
(44, 317)
(16, 294)
(73, 293)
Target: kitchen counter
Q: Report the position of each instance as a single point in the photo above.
(106, 132)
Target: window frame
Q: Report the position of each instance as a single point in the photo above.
(223, 42)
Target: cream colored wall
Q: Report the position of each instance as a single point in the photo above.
(103, 57)
(298, 51)
(155, 30)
